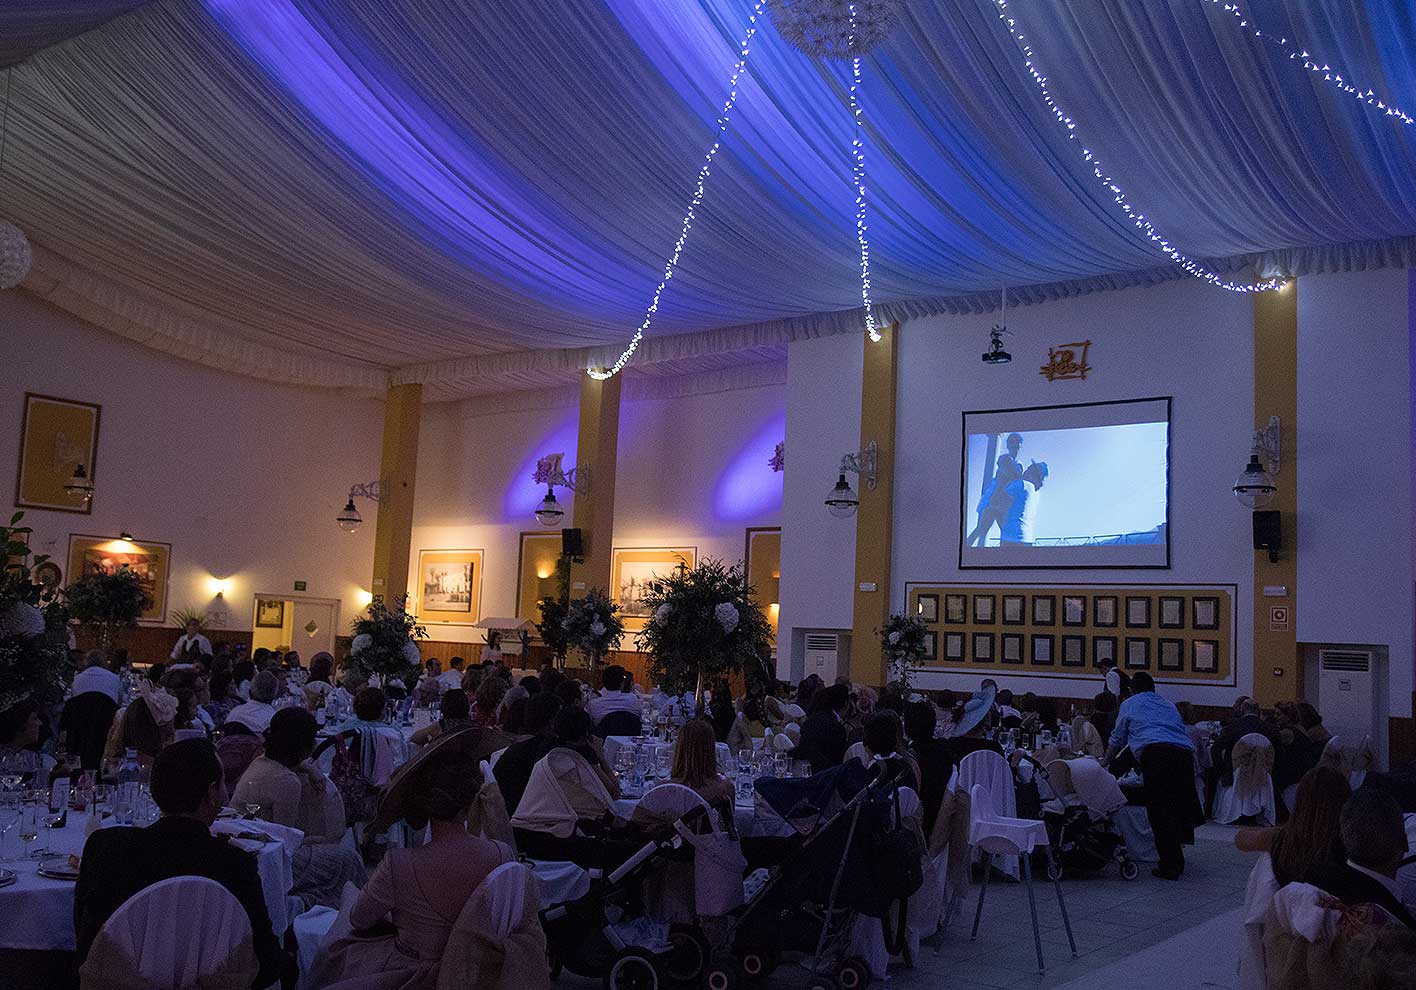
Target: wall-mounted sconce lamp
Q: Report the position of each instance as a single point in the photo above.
(1255, 486)
(549, 473)
(349, 518)
(842, 500)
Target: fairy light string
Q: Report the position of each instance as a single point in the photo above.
(601, 374)
(858, 180)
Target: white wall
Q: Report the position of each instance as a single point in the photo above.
(818, 551)
(1354, 466)
(242, 477)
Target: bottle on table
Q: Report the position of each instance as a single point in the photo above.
(125, 800)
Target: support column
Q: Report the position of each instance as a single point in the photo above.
(1278, 668)
(595, 457)
(393, 533)
(875, 516)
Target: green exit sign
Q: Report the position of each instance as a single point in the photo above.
(299, 585)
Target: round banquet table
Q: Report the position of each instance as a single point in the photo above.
(752, 818)
(614, 744)
(37, 913)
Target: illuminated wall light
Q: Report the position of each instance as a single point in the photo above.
(218, 586)
(601, 374)
(1186, 263)
(1310, 62)
(364, 598)
(544, 572)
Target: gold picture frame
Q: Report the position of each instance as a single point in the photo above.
(536, 561)
(150, 561)
(632, 567)
(56, 435)
(449, 587)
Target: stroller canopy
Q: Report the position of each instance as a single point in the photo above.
(563, 790)
(806, 802)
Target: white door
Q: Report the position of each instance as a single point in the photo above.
(313, 627)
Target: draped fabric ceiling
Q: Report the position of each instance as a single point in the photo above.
(480, 196)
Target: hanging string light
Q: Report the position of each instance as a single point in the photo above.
(671, 265)
(1143, 224)
(15, 254)
(1311, 62)
(858, 180)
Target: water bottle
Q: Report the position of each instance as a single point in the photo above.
(1064, 737)
(125, 800)
(768, 750)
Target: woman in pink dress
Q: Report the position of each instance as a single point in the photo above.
(403, 917)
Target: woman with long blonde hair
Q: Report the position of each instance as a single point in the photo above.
(696, 763)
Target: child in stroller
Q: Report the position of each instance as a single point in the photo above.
(1080, 801)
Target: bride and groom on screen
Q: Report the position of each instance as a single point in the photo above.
(1010, 499)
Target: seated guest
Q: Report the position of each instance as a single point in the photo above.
(721, 710)
(188, 687)
(1311, 837)
(1374, 836)
(429, 687)
(823, 734)
(1103, 713)
(882, 747)
(20, 728)
(513, 769)
(456, 715)
(118, 862)
(696, 764)
(513, 716)
(488, 704)
(612, 697)
(97, 677)
(243, 672)
(571, 693)
(750, 724)
(452, 677)
(221, 690)
(513, 694)
(318, 686)
(404, 916)
(1249, 720)
(146, 725)
(256, 713)
(292, 791)
(933, 759)
(1009, 716)
(1312, 724)
(969, 729)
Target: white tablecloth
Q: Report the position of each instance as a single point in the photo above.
(613, 745)
(38, 913)
(751, 819)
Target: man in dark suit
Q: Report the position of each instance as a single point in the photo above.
(823, 734)
(1374, 835)
(189, 790)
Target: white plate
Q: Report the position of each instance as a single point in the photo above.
(57, 868)
(7, 877)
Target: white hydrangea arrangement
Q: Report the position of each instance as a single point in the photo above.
(592, 625)
(386, 640)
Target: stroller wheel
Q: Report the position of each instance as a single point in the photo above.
(757, 962)
(1130, 869)
(721, 976)
(852, 974)
(1054, 871)
(688, 955)
(632, 969)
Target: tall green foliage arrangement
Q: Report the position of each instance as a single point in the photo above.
(902, 646)
(33, 635)
(108, 601)
(386, 640)
(554, 609)
(592, 625)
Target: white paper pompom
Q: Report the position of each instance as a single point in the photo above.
(661, 615)
(361, 643)
(895, 637)
(597, 628)
(727, 615)
(22, 620)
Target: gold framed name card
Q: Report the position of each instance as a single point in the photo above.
(449, 587)
(56, 436)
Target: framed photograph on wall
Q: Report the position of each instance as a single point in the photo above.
(931, 648)
(1204, 613)
(1015, 610)
(956, 609)
(1044, 610)
(1042, 646)
(1138, 653)
(1138, 612)
(954, 646)
(449, 587)
(1104, 611)
(983, 609)
(56, 436)
(983, 647)
(1012, 648)
(1103, 649)
(536, 562)
(632, 570)
(1204, 656)
(927, 608)
(1172, 612)
(1074, 610)
(1171, 655)
(151, 562)
(1074, 651)
(270, 613)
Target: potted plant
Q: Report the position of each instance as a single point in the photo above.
(34, 661)
(706, 623)
(181, 616)
(386, 641)
(108, 601)
(902, 647)
(592, 625)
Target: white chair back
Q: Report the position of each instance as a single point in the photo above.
(1349, 756)
(668, 802)
(990, 770)
(1253, 762)
(497, 940)
(1253, 973)
(177, 933)
(856, 751)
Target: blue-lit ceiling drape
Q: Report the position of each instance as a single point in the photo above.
(484, 194)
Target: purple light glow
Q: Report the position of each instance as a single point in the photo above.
(748, 489)
(522, 495)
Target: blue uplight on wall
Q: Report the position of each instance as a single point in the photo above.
(748, 489)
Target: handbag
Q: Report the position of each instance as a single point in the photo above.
(896, 864)
(361, 798)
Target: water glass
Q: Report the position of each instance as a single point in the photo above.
(663, 762)
(801, 768)
(744, 760)
(781, 764)
(102, 801)
(33, 813)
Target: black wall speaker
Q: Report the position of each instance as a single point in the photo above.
(1268, 533)
(573, 546)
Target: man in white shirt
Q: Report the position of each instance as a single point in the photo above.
(257, 713)
(191, 643)
(451, 678)
(97, 677)
(612, 697)
(1017, 527)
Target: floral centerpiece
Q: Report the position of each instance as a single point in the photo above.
(706, 624)
(386, 641)
(592, 625)
(108, 601)
(34, 660)
(902, 647)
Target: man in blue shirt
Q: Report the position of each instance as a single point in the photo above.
(1151, 727)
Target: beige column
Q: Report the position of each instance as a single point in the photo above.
(595, 475)
(393, 533)
(875, 516)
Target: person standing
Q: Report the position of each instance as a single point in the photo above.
(994, 499)
(1151, 727)
(191, 644)
(1017, 526)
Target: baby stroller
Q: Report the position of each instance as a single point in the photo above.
(846, 859)
(1080, 818)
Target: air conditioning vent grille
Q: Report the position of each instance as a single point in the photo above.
(818, 641)
(1346, 660)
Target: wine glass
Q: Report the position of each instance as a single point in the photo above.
(252, 808)
(32, 814)
(16, 766)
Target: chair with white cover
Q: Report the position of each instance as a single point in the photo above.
(1085, 739)
(992, 771)
(1251, 793)
(497, 941)
(1350, 756)
(855, 751)
(996, 835)
(1262, 885)
(178, 933)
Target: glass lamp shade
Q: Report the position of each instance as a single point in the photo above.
(842, 500)
(549, 512)
(78, 483)
(349, 518)
(1255, 487)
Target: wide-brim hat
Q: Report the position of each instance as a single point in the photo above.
(976, 709)
(476, 742)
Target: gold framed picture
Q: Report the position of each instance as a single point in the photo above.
(56, 436)
(633, 569)
(449, 587)
(270, 613)
(536, 572)
(151, 562)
